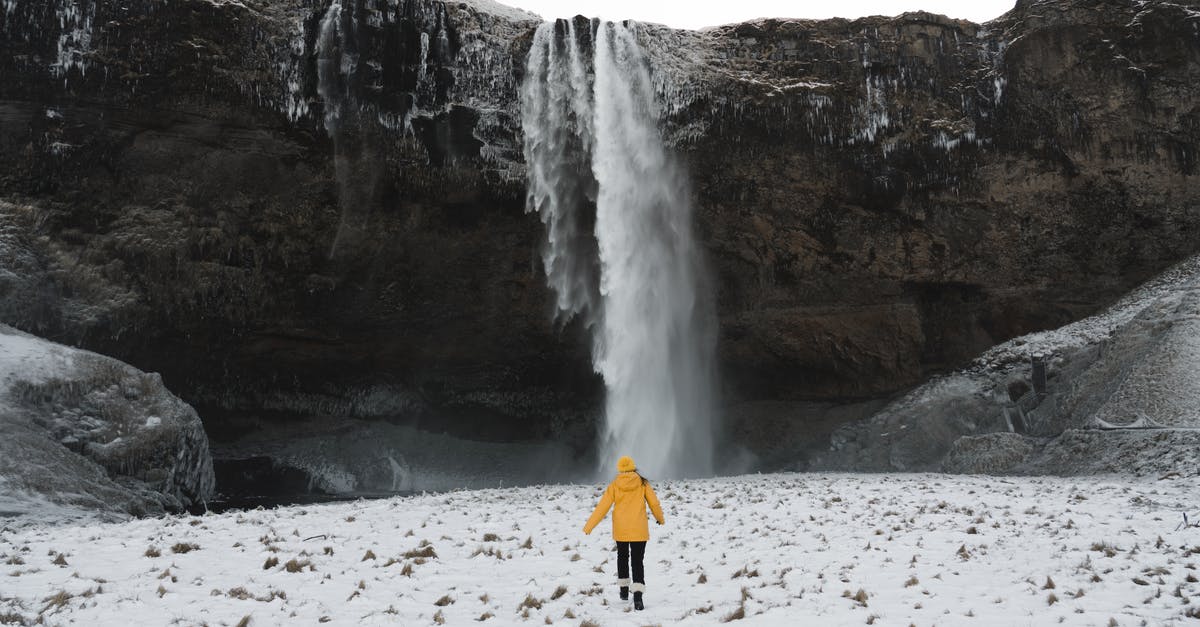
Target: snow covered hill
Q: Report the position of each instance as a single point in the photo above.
(816, 549)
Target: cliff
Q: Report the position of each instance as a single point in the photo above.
(288, 210)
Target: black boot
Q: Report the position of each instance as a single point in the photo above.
(637, 601)
(624, 593)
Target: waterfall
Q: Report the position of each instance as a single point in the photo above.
(355, 146)
(637, 274)
(329, 62)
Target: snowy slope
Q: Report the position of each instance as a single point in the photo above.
(1134, 364)
(777, 549)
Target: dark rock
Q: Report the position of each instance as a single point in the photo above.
(881, 199)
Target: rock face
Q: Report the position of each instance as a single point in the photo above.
(1115, 392)
(82, 432)
(289, 209)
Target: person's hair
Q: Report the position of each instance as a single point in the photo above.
(645, 481)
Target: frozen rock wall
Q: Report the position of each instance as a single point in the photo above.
(1115, 392)
(79, 431)
(882, 200)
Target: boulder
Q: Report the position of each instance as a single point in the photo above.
(83, 433)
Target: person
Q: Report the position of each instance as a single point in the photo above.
(628, 496)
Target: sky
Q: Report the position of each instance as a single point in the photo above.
(698, 14)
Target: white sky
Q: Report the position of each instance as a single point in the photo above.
(700, 13)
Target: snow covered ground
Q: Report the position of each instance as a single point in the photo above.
(821, 549)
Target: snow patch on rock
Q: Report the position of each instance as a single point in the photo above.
(89, 433)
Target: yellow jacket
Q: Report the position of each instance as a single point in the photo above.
(628, 495)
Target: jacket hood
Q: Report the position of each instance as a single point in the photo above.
(628, 481)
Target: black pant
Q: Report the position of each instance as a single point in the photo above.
(639, 554)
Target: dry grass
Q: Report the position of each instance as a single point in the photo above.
(491, 537)
(271, 562)
(153, 552)
(1049, 585)
(484, 616)
(61, 560)
(369, 555)
(558, 592)
(737, 614)
(1051, 599)
(184, 547)
(295, 566)
(912, 581)
(56, 600)
(444, 601)
(530, 602)
(745, 572)
(239, 593)
(424, 551)
(1103, 547)
(245, 622)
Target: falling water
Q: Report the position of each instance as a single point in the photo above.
(653, 325)
(355, 153)
(556, 112)
(329, 62)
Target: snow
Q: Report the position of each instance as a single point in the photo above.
(90, 436)
(31, 360)
(779, 548)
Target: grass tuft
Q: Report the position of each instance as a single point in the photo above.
(530, 602)
(424, 552)
(737, 614)
(184, 547)
(294, 566)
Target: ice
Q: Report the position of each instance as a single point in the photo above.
(331, 66)
(775, 549)
(75, 36)
(346, 456)
(291, 70)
